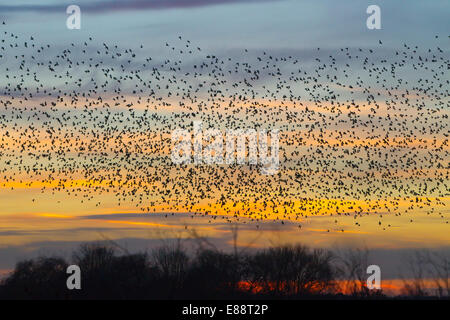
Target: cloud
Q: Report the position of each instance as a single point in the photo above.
(25, 232)
(123, 5)
(126, 216)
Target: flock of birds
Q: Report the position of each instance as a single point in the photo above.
(362, 130)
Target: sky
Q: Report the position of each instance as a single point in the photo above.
(34, 222)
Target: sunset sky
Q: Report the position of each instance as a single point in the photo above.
(41, 217)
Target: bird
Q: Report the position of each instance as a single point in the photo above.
(362, 132)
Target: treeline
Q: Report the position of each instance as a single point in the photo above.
(285, 272)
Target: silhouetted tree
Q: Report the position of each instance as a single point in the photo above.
(42, 278)
(291, 270)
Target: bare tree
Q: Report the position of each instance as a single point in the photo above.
(429, 265)
(352, 266)
(440, 269)
(414, 284)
